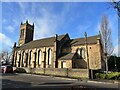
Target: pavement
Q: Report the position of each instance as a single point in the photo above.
(30, 81)
(105, 81)
(82, 80)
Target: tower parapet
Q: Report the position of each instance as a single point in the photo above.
(26, 33)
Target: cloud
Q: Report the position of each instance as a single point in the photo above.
(4, 20)
(46, 21)
(4, 40)
(46, 25)
(23, 7)
(97, 27)
(10, 28)
(85, 27)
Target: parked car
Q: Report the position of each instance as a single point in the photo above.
(7, 69)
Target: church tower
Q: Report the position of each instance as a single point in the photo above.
(26, 33)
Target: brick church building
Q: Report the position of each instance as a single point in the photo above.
(58, 51)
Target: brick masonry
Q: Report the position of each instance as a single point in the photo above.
(74, 73)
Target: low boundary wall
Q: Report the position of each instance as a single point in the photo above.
(65, 72)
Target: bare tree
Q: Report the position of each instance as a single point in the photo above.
(106, 39)
(5, 56)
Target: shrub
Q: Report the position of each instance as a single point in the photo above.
(97, 75)
(109, 76)
(20, 70)
(100, 75)
(119, 77)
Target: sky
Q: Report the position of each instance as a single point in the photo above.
(52, 18)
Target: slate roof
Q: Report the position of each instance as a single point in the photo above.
(40, 43)
(81, 41)
(45, 42)
(68, 56)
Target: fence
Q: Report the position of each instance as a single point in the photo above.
(65, 72)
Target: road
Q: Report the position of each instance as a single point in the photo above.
(40, 82)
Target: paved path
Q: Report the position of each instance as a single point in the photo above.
(27, 81)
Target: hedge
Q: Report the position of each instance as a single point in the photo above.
(109, 76)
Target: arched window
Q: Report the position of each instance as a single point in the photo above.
(39, 57)
(22, 33)
(30, 62)
(17, 56)
(35, 54)
(15, 59)
(49, 56)
(26, 58)
(19, 60)
(81, 53)
(23, 58)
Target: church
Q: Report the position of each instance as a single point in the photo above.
(59, 51)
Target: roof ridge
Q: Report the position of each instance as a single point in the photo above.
(49, 37)
(67, 56)
(43, 40)
(87, 37)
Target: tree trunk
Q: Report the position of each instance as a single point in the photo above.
(106, 64)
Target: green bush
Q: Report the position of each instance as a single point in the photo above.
(97, 75)
(119, 77)
(102, 76)
(113, 76)
(109, 76)
(20, 70)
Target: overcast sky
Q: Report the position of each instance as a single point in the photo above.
(56, 18)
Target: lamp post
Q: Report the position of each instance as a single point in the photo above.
(87, 58)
